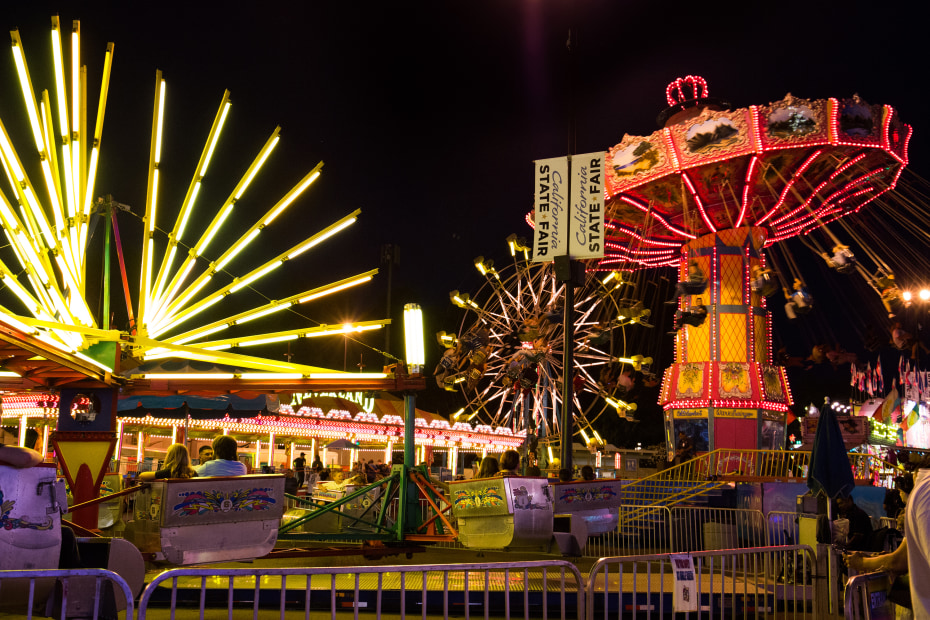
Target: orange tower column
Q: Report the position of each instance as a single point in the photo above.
(723, 391)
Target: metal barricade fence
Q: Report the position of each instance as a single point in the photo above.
(640, 529)
(711, 529)
(514, 589)
(782, 528)
(867, 594)
(734, 583)
(76, 597)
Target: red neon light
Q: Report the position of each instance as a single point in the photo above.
(746, 187)
(697, 200)
(675, 91)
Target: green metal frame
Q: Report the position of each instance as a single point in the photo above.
(402, 483)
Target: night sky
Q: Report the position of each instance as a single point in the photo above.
(428, 116)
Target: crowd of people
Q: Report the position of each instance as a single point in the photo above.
(509, 465)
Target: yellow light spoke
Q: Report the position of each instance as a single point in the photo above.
(145, 290)
(273, 213)
(214, 227)
(52, 180)
(47, 226)
(293, 334)
(191, 198)
(175, 315)
(221, 357)
(95, 147)
(270, 308)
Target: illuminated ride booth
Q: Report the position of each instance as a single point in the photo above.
(707, 194)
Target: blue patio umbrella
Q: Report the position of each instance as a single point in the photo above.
(830, 472)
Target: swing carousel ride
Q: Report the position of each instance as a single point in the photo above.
(708, 194)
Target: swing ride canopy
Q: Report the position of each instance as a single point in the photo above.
(788, 167)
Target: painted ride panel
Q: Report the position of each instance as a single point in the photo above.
(595, 501)
(507, 512)
(221, 519)
(31, 503)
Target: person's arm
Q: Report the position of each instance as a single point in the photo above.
(19, 457)
(147, 476)
(895, 562)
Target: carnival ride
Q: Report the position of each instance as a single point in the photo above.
(48, 240)
(507, 358)
(55, 342)
(708, 193)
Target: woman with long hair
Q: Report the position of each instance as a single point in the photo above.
(489, 467)
(177, 465)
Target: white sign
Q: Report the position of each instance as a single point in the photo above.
(687, 597)
(586, 238)
(569, 216)
(550, 238)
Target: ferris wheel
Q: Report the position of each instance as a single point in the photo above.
(507, 358)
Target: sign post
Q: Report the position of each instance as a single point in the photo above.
(569, 225)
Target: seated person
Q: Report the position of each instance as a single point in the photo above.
(799, 300)
(694, 285)
(177, 465)
(694, 317)
(291, 483)
(764, 281)
(204, 454)
(510, 463)
(587, 473)
(843, 260)
(489, 467)
(565, 475)
(225, 462)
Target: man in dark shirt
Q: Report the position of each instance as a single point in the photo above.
(860, 524)
(684, 449)
(300, 463)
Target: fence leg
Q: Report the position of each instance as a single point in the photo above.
(825, 581)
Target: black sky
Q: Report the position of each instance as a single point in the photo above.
(429, 114)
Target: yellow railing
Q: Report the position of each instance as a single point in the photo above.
(720, 467)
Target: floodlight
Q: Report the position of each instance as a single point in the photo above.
(413, 335)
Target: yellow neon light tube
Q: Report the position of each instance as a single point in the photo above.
(75, 75)
(292, 195)
(175, 313)
(236, 247)
(58, 60)
(98, 134)
(25, 83)
(214, 226)
(253, 169)
(261, 162)
(328, 290)
(234, 359)
(271, 307)
(188, 375)
(145, 292)
(52, 181)
(255, 276)
(187, 206)
(313, 332)
(323, 235)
